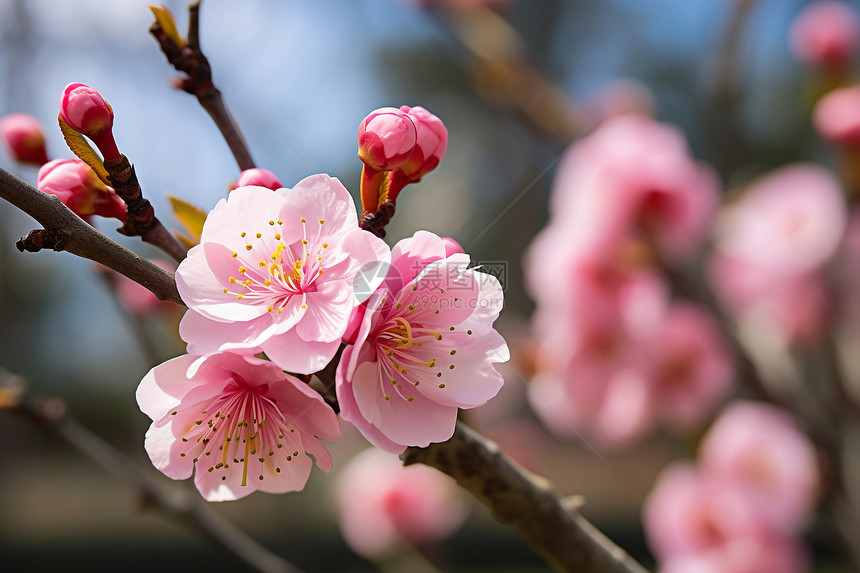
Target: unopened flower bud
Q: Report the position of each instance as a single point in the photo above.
(86, 111)
(386, 139)
(259, 177)
(432, 141)
(24, 139)
(826, 34)
(80, 189)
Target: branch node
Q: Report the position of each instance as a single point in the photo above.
(54, 238)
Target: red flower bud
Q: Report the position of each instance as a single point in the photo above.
(386, 139)
(80, 189)
(259, 177)
(432, 141)
(87, 112)
(23, 137)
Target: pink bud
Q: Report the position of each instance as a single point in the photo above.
(86, 111)
(431, 145)
(259, 177)
(826, 34)
(80, 189)
(837, 117)
(386, 138)
(22, 134)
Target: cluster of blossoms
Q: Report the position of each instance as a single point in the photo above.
(290, 274)
(615, 354)
(742, 508)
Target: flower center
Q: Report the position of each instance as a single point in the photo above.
(238, 425)
(272, 272)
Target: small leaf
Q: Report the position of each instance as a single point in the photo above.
(164, 19)
(79, 146)
(190, 217)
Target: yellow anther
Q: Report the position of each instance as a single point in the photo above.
(325, 245)
(259, 235)
(280, 310)
(322, 221)
(226, 291)
(277, 236)
(239, 296)
(271, 222)
(247, 282)
(234, 255)
(304, 220)
(280, 222)
(243, 270)
(304, 306)
(231, 280)
(268, 282)
(271, 308)
(242, 234)
(263, 263)
(248, 247)
(304, 241)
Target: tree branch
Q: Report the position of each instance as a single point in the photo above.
(65, 231)
(191, 61)
(524, 501)
(50, 415)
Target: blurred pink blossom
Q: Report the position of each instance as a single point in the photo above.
(826, 34)
(837, 117)
(80, 189)
(136, 298)
(276, 272)
(238, 422)
(633, 176)
(24, 138)
(760, 450)
(692, 368)
(259, 177)
(384, 506)
(771, 248)
(424, 348)
(696, 522)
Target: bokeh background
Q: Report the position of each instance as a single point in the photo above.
(299, 76)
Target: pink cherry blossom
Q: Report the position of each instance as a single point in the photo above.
(23, 138)
(425, 347)
(238, 422)
(787, 222)
(274, 272)
(80, 189)
(692, 368)
(431, 143)
(759, 448)
(837, 117)
(695, 522)
(826, 34)
(633, 175)
(384, 505)
(386, 138)
(259, 177)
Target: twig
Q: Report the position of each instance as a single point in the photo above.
(525, 502)
(726, 91)
(141, 219)
(198, 81)
(65, 231)
(50, 415)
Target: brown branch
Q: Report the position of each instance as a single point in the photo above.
(50, 415)
(63, 230)
(141, 220)
(198, 81)
(525, 502)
